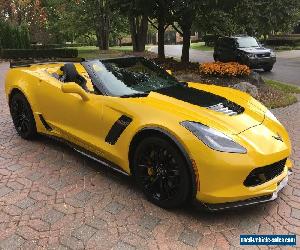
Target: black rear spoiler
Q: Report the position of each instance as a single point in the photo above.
(29, 62)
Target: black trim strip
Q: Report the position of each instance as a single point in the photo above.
(117, 129)
(89, 154)
(46, 125)
(199, 97)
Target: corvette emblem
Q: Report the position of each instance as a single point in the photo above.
(278, 137)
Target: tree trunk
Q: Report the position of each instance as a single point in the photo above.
(161, 40)
(104, 27)
(185, 57)
(102, 21)
(139, 30)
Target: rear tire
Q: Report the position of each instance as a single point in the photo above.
(22, 116)
(161, 172)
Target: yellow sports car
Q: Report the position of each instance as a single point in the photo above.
(181, 141)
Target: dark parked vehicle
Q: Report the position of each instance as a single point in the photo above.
(245, 50)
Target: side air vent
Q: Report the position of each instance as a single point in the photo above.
(117, 129)
(228, 108)
(46, 125)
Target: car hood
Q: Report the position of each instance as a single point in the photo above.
(256, 50)
(195, 102)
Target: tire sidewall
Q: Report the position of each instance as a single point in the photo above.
(184, 188)
(32, 132)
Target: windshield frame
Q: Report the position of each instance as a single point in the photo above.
(105, 91)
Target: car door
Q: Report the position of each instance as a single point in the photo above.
(70, 117)
(219, 50)
(227, 50)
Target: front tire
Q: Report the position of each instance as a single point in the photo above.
(22, 116)
(216, 58)
(268, 68)
(161, 172)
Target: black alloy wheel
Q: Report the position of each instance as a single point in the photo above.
(161, 172)
(22, 116)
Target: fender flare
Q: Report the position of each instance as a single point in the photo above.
(191, 168)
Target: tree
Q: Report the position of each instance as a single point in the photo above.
(162, 20)
(253, 17)
(216, 17)
(70, 20)
(137, 12)
(120, 28)
(184, 13)
(101, 11)
(13, 36)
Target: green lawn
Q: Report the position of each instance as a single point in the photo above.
(287, 88)
(91, 52)
(122, 48)
(201, 46)
(282, 94)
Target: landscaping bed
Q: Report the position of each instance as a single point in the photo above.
(273, 94)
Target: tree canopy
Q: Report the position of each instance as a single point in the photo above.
(108, 21)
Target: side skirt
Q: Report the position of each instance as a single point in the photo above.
(89, 154)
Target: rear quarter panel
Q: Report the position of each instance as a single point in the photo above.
(23, 80)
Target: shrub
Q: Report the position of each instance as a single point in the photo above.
(284, 40)
(126, 44)
(13, 37)
(38, 53)
(230, 69)
(56, 46)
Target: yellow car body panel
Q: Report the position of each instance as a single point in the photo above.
(220, 175)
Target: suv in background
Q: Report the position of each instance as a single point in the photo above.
(244, 50)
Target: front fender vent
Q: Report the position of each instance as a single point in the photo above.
(117, 129)
(227, 108)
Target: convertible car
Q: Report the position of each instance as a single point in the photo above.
(181, 141)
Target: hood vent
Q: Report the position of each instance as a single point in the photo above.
(228, 108)
(203, 99)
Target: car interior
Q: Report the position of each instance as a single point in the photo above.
(71, 73)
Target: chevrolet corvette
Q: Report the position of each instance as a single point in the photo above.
(180, 141)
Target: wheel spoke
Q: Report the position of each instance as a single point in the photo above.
(163, 180)
(20, 116)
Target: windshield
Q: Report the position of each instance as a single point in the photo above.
(246, 42)
(128, 76)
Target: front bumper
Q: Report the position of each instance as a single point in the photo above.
(261, 62)
(249, 202)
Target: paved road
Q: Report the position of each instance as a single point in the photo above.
(287, 68)
(53, 198)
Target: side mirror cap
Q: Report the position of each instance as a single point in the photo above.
(74, 88)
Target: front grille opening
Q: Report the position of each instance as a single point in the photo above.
(261, 175)
(264, 55)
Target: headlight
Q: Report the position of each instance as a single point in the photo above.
(272, 54)
(213, 138)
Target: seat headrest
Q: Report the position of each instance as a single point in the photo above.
(70, 72)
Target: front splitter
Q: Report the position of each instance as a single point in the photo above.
(249, 202)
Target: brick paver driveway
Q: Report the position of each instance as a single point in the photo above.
(51, 197)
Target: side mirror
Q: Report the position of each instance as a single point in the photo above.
(74, 88)
(169, 72)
